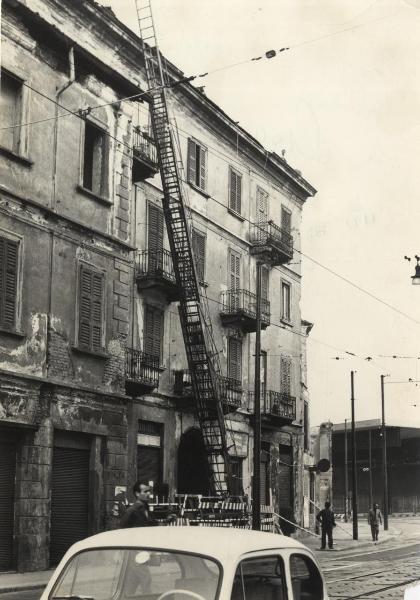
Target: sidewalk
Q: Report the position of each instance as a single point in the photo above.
(16, 582)
(343, 537)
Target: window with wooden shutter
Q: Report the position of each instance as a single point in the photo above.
(235, 359)
(199, 250)
(8, 282)
(286, 374)
(286, 219)
(91, 309)
(265, 283)
(153, 330)
(197, 164)
(155, 233)
(235, 191)
(262, 206)
(234, 278)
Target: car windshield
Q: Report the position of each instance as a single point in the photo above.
(134, 574)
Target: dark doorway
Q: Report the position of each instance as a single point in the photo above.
(7, 489)
(193, 469)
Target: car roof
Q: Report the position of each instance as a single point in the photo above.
(218, 542)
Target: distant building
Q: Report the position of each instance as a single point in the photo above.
(403, 454)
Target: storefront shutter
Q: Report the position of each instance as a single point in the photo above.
(8, 282)
(285, 477)
(7, 486)
(69, 500)
(149, 464)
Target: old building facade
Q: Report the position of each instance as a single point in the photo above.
(93, 374)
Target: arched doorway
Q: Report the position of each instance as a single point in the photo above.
(193, 469)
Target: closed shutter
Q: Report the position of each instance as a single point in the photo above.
(286, 220)
(199, 250)
(264, 477)
(285, 477)
(262, 206)
(192, 161)
(234, 278)
(235, 359)
(285, 375)
(153, 330)
(7, 486)
(235, 195)
(8, 282)
(264, 283)
(203, 167)
(69, 500)
(91, 307)
(236, 467)
(149, 464)
(155, 228)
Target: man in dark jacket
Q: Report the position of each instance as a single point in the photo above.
(374, 518)
(138, 515)
(327, 520)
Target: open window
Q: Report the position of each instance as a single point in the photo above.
(95, 160)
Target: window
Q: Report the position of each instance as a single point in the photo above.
(234, 359)
(260, 578)
(199, 251)
(10, 111)
(95, 160)
(235, 191)
(236, 465)
(234, 283)
(306, 580)
(285, 301)
(155, 232)
(91, 309)
(197, 164)
(8, 282)
(286, 375)
(149, 453)
(262, 206)
(286, 219)
(153, 330)
(265, 278)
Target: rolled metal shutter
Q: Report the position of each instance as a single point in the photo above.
(69, 500)
(7, 488)
(285, 477)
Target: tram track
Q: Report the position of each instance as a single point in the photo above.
(363, 595)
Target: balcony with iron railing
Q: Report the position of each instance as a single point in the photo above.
(239, 308)
(271, 242)
(230, 391)
(276, 407)
(154, 270)
(142, 371)
(145, 159)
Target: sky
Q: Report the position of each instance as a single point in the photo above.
(344, 103)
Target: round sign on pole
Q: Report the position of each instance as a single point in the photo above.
(323, 465)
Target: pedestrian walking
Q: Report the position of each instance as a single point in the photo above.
(327, 520)
(374, 518)
(138, 514)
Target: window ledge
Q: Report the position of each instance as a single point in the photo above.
(12, 332)
(94, 196)
(199, 189)
(235, 214)
(96, 353)
(286, 321)
(23, 160)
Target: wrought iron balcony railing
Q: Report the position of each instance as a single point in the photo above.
(275, 404)
(244, 303)
(141, 369)
(144, 145)
(269, 235)
(230, 391)
(155, 263)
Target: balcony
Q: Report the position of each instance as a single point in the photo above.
(142, 372)
(154, 270)
(271, 243)
(145, 160)
(239, 308)
(277, 408)
(230, 391)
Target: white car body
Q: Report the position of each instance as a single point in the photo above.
(227, 546)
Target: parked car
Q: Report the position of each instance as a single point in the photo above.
(187, 563)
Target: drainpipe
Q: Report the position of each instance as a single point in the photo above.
(72, 77)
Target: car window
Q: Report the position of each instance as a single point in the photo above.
(260, 578)
(306, 578)
(136, 574)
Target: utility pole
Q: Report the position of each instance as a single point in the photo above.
(370, 470)
(346, 480)
(384, 457)
(256, 490)
(353, 463)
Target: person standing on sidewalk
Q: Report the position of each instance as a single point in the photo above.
(327, 520)
(374, 518)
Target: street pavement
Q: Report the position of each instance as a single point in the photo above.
(358, 570)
